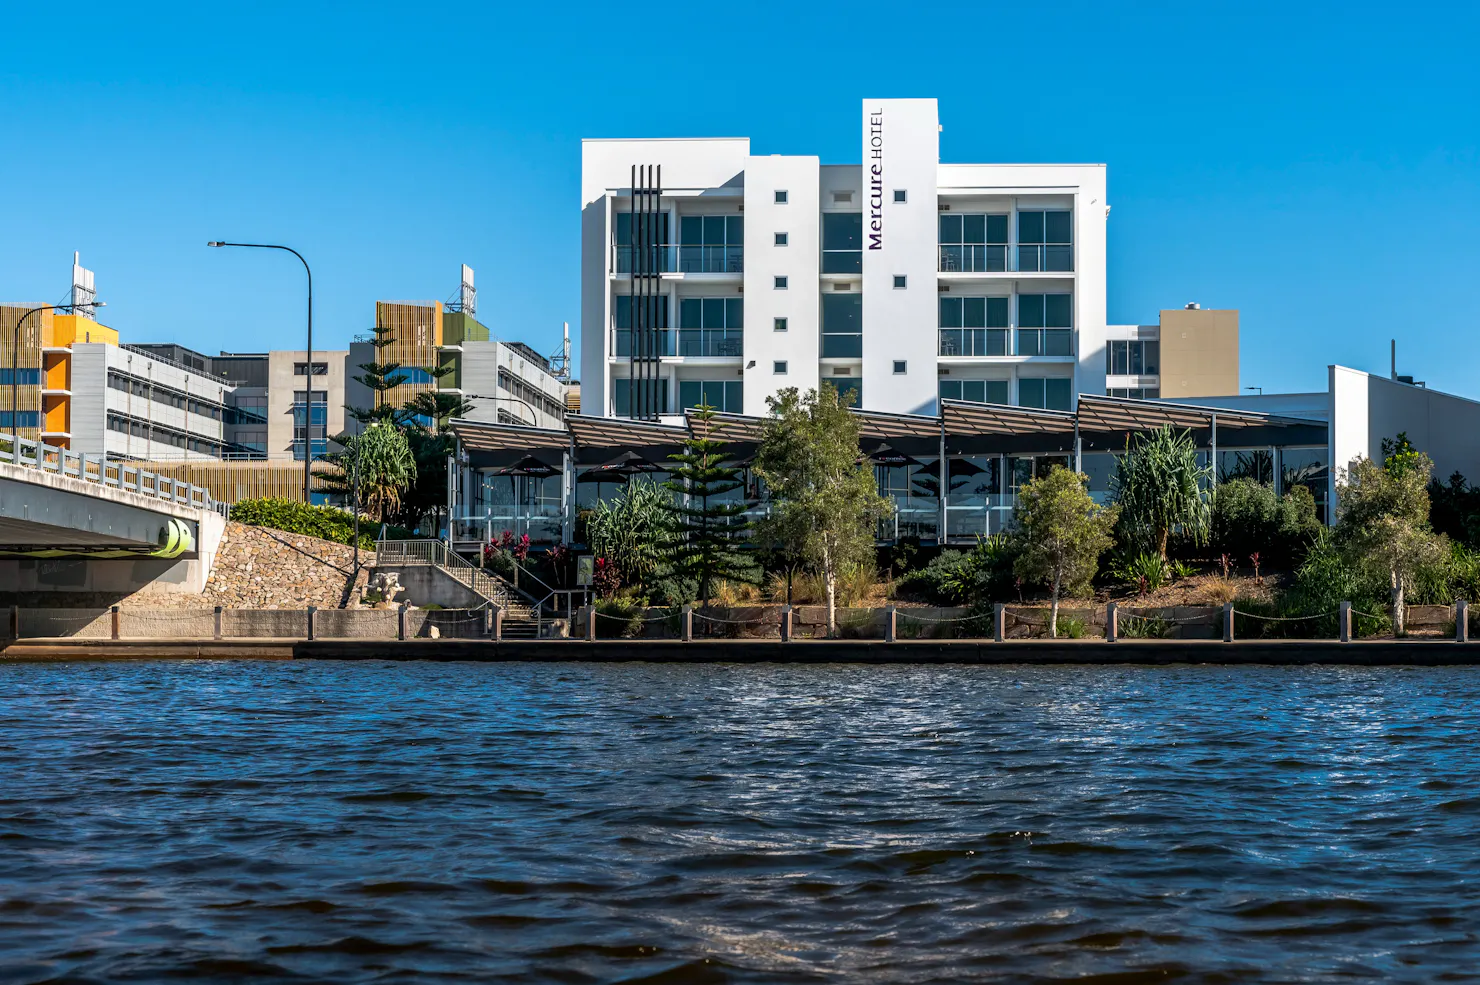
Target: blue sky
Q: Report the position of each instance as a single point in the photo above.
(1316, 166)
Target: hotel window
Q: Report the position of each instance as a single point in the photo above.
(900, 196)
(778, 324)
(979, 391)
(319, 369)
(1136, 393)
(655, 256)
(1045, 325)
(779, 367)
(1133, 358)
(711, 244)
(973, 326)
(846, 385)
(842, 326)
(1044, 394)
(781, 239)
(900, 282)
(656, 309)
(842, 242)
(901, 367)
(973, 243)
(710, 326)
(780, 197)
(626, 392)
(723, 395)
(1045, 241)
(780, 283)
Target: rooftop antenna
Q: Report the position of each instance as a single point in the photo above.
(84, 297)
(560, 361)
(1395, 359)
(468, 294)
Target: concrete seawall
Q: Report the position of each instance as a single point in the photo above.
(1417, 653)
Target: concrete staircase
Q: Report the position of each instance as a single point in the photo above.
(521, 618)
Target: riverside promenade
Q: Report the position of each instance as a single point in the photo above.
(1388, 652)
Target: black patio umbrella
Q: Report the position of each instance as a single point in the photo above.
(528, 465)
(629, 463)
(598, 476)
(928, 480)
(886, 455)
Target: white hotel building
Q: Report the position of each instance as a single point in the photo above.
(710, 274)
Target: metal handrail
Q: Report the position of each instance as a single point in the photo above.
(85, 468)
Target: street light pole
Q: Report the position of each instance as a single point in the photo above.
(357, 503)
(308, 367)
(15, 373)
(534, 422)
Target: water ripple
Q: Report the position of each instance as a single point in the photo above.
(359, 822)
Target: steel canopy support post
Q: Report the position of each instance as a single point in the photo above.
(1214, 458)
(568, 472)
(944, 483)
(1078, 448)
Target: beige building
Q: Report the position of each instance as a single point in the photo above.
(1190, 352)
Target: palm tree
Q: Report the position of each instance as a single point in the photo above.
(381, 457)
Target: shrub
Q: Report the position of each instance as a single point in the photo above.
(1181, 569)
(981, 575)
(619, 616)
(323, 522)
(1248, 518)
(1320, 585)
(1146, 569)
(1072, 627)
(1145, 628)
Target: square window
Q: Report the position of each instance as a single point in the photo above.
(901, 367)
(900, 196)
(900, 282)
(780, 283)
(778, 324)
(780, 197)
(779, 367)
(781, 239)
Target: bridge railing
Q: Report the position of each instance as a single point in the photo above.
(105, 472)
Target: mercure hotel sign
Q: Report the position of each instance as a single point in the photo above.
(876, 179)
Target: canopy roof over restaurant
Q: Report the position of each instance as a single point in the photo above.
(964, 427)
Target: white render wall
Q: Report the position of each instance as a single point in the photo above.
(798, 261)
(1366, 409)
(898, 324)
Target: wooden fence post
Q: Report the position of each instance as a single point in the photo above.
(114, 614)
(890, 625)
(1227, 622)
(998, 610)
(311, 611)
(1112, 623)
(1344, 620)
(590, 624)
(401, 622)
(498, 624)
(786, 624)
(217, 629)
(1461, 621)
(688, 623)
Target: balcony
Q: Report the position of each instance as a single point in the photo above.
(966, 342)
(684, 343)
(678, 259)
(992, 258)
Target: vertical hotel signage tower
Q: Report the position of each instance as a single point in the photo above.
(901, 151)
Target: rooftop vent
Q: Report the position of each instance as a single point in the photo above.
(1193, 306)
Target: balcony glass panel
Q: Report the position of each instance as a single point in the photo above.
(973, 341)
(1045, 342)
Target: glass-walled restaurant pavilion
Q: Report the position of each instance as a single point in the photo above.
(535, 481)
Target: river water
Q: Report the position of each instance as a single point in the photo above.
(378, 822)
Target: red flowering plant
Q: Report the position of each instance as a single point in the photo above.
(605, 578)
